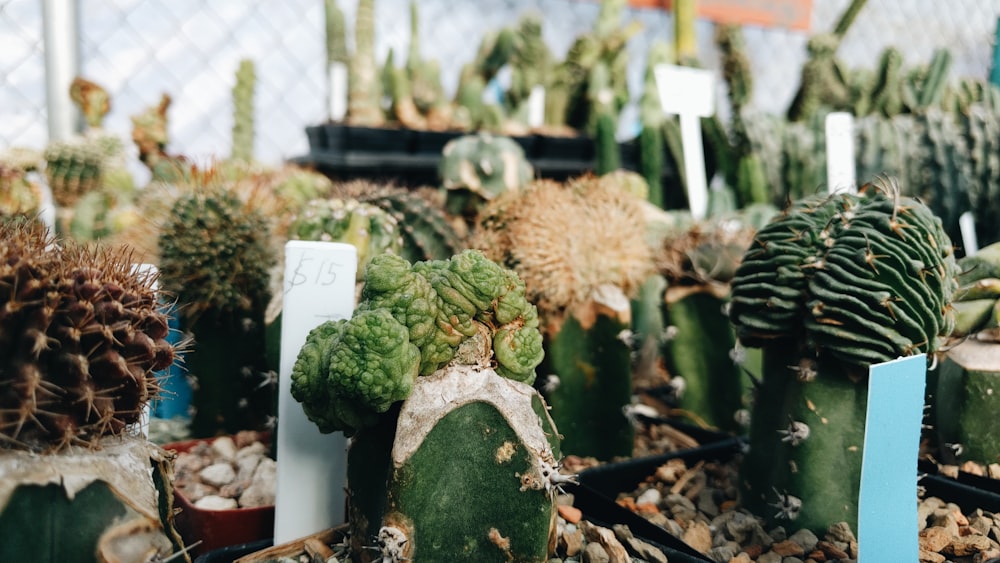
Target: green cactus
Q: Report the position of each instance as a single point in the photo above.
(427, 232)
(18, 194)
(834, 285)
(336, 33)
(530, 64)
(370, 229)
(215, 257)
(421, 332)
(652, 118)
(581, 250)
(73, 168)
(969, 371)
(364, 94)
(477, 168)
(243, 111)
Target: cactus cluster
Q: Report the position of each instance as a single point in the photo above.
(81, 336)
(833, 285)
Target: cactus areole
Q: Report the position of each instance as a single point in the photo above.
(833, 285)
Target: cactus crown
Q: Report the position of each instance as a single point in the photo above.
(80, 338)
(867, 277)
(215, 253)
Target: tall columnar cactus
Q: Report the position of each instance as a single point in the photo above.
(475, 169)
(243, 111)
(582, 252)
(336, 33)
(530, 64)
(436, 364)
(364, 92)
(652, 119)
(216, 259)
(834, 285)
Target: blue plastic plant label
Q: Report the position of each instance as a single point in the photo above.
(887, 507)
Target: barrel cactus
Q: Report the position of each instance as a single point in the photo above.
(477, 168)
(833, 285)
(81, 336)
(215, 258)
(436, 363)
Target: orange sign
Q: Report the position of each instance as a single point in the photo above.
(790, 14)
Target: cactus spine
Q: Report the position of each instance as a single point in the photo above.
(834, 285)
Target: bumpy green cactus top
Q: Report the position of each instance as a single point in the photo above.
(867, 278)
(411, 321)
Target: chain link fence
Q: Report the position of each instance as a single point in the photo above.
(190, 49)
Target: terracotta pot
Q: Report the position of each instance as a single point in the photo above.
(218, 528)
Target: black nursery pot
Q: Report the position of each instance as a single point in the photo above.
(231, 553)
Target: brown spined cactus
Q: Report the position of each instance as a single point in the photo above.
(81, 337)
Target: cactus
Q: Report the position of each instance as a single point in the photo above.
(582, 252)
(81, 336)
(216, 259)
(700, 350)
(477, 168)
(969, 370)
(336, 33)
(18, 194)
(494, 431)
(530, 64)
(371, 229)
(364, 95)
(73, 168)
(428, 234)
(91, 99)
(243, 111)
(835, 284)
(652, 118)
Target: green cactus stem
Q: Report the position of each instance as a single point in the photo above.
(834, 285)
(336, 33)
(364, 94)
(88, 505)
(216, 259)
(243, 111)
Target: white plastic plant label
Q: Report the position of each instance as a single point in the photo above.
(319, 286)
(690, 94)
(840, 169)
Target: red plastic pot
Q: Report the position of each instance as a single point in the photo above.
(218, 528)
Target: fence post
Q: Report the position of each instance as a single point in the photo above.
(61, 24)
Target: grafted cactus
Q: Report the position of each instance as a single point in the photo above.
(582, 252)
(421, 333)
(243, 111)
(834, 285)
(477, 168)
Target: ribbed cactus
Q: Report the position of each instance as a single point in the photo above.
(582, 252)
(428, 233)
(215, 258)
(477, 168)
(370, 229)
(81, 337)
(336, 33)
(73, 168)
(243, 111)
(835, 284)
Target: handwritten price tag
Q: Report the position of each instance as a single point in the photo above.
(312, 467)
